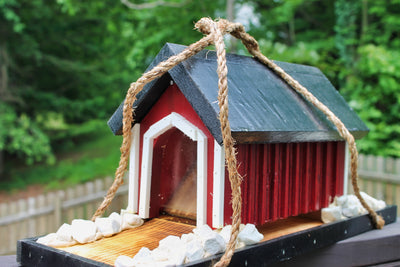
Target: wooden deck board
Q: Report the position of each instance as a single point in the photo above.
(31, 253)
(287, 226)
(130, 241)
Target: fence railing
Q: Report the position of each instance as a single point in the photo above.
(379, 177)
(43, 214)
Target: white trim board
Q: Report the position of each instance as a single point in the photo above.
(346, 169)
(218, 186)
(158, 128)
(134, 170)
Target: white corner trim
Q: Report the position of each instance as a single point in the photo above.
(134, 170)
(172, 120)
(158, 128)
(346, 169)
(145, 179)
(218, 186)
(201, 208)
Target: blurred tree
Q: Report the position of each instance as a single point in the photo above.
(355, 43)
(65, 63)
(371, 78)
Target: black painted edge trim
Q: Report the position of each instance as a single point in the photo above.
(30, 253)
(289, 246)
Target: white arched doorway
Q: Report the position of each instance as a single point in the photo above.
(157, 129)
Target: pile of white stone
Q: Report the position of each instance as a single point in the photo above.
(349, 206)
(85, 231)
(202, 243)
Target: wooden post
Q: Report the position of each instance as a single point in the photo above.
(31, 220)
(22, 226)
(3, 229)
(12, 231)
(79, 192)
(90, 209)
(41, 200)
(58, 209)
(70, 212)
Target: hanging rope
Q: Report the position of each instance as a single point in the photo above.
(214, 31)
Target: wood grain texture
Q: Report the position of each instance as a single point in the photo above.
(265, 253)
(287, 226)
(129, 242)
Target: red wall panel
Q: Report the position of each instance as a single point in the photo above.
(287, 179)
(172, 100)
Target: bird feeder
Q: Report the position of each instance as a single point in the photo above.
(290, 156)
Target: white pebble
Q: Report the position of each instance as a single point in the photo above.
(186, 238)
(250, 235)
(176, 249)
(202, 230)
(213, 243)
(124, 261)
(107, 226)
(64, 233)
(160, 254)
(98, 236)
(170, 242)
(52, 241)
(130, 220)
(117, 217)
(351, 202)
(351, 211)
(143, 256)
(375, 204)
(331, 214)
(83, 231)
(226, 233)
(47, 238)
(194, 250)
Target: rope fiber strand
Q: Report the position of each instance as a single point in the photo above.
(214, 32)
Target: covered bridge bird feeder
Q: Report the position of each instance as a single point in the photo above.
(290, 150)
(290, 156)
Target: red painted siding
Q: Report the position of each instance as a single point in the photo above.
(172, 100)
(174, 155)
(282, 180)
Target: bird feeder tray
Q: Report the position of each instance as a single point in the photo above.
(283, 240)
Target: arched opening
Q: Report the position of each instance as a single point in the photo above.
(174, 175)
(192, 139)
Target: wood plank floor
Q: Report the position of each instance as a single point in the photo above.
(130, 241)
(287, 226)
(148, 235)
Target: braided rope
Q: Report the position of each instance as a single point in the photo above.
(218, 30)
(253, 48)
(133, 90)
(215, 30)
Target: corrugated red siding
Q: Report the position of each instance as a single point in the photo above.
(288, 179)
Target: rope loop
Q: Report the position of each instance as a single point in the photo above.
(214, 31)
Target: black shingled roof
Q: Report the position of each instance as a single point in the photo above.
(262, 108)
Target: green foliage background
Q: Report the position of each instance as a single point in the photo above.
(65, 65)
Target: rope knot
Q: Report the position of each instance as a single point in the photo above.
(207, 26)
(215, 31)
(204, 25)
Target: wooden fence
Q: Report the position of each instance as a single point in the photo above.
(379, 177)
(45, 213)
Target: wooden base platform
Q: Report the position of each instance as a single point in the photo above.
(282, 240)
(148, 235)
(129, 242)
